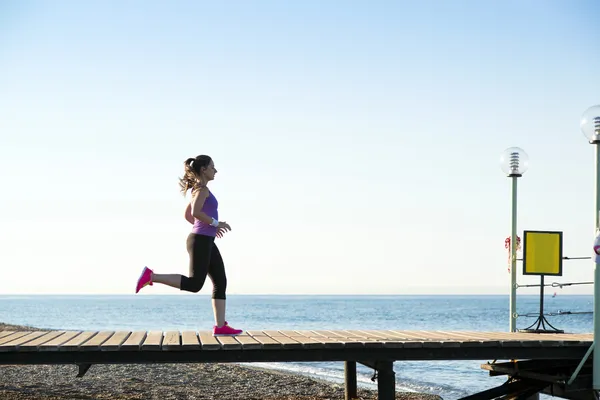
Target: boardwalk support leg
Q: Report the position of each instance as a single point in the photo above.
(350, 377)
(83, 368)
(386, 380)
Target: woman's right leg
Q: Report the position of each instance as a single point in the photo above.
(173, 280)
(199, 248)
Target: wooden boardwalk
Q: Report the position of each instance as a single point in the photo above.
(314, 344)
(59, 341)
(375, 348)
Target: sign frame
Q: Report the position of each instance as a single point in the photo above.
(545, 244)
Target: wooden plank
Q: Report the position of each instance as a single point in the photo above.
(15, 343)
(472, 340)
(134, 341)
(327, 334)
(466, 339)
(432, 338)
(54, 344)
(290, 333)
(267, 342)
(13, 336)
(332, 339)
(415, 339)
(414, 335)
(256, 333)
(33, 345)
(73, 344)
(535, 340)
(567, 339)
(507, 340)
(322, 334)
(581, 337)
(229, 343)
(6, 333)
(373, 339)
(376, 338)
(393, 340)
(208, 341)
(286, 341)
(333, 342)
(115, 341)
(153, 340)
(357, 334)
(171, 341)
(95, 342)
(248, 342)
(272, 333)
(349, 341)
(525, 339)
(334, 335)
(375, 334)
(190, 341)
(308, 342)
(313, 343)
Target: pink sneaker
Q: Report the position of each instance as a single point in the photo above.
(226, 330)
(145, 279)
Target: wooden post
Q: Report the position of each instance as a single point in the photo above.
(350, 377)
(386, 380)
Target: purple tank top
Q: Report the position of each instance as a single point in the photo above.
(210, 208)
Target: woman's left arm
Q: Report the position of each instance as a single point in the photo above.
(188, 214)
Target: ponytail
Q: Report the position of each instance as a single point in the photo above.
(192, 173)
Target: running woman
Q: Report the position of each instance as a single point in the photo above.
(205, 258)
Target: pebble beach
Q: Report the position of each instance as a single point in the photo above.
(169, 382)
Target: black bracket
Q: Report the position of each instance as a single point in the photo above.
(83, 368)
(378, 367)
(511, 389)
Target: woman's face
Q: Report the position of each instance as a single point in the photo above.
(210, 171)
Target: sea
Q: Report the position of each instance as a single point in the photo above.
(448, 379)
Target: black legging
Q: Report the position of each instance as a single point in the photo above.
(205, 259)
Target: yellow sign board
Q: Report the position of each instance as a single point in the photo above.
(542, 253)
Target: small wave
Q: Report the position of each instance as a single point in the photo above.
(327, 374)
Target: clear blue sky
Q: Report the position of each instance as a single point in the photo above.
(357, 143)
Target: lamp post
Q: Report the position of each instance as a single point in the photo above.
(590, 126)
(514, 162)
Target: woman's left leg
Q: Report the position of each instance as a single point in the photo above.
(216, 272)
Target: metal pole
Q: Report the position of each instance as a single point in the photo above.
(581, 364)
(542, 300)
(596, 360)
(513, 259)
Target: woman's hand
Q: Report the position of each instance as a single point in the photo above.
(222, 228)
(224, 225)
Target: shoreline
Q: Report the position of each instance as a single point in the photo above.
(223, 381)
